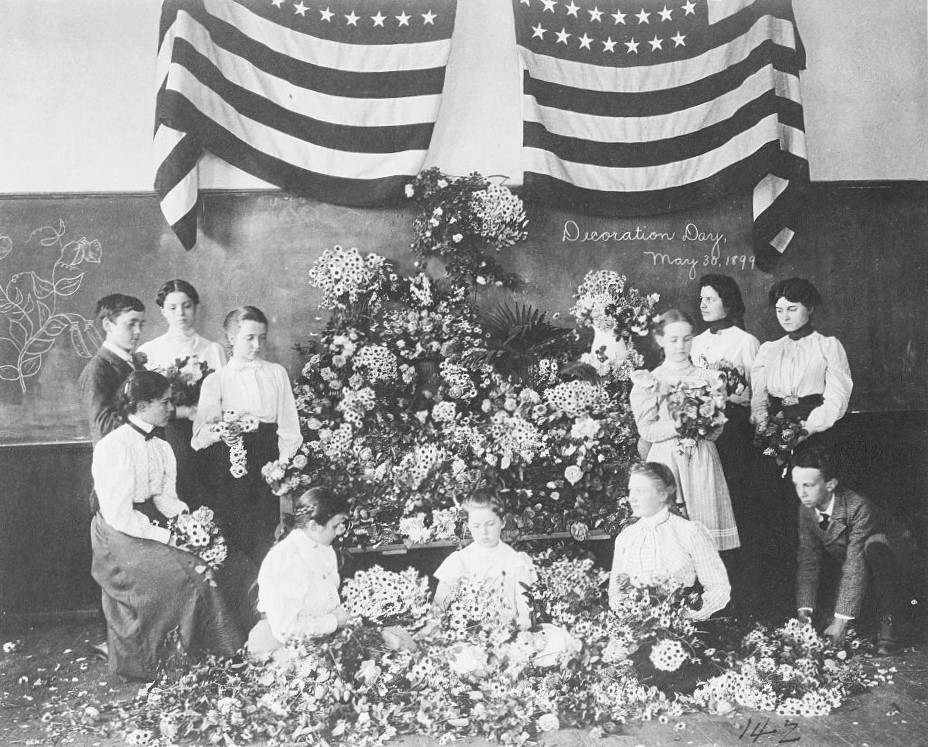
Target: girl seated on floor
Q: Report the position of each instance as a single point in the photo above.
(488, 559)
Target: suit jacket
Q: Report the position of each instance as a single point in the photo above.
(100, 381)
(854, 522)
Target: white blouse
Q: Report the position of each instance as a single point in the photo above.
(732, 344)
(813, 364)
(258, 388)
(164, 351)
(128, 469)
(298, 587)
(667, 543)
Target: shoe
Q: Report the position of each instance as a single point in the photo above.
(99, 651)
(888, 642)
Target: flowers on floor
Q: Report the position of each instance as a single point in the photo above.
(197, 533)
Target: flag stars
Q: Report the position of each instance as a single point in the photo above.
(632, 45)
(277, 3)
(326, 15)
(666, 14)
(595, 15)
(538, 32)
(403, 18)
(352, 19)
(585, 42)
(563, 36)
(619, 17)
(428, 19)
(689, 9)
(609, 45)
(678, 40)
(656, 43)
(526, 2)
(550, 5)
(300, 9)
(643, 16)
(379, 19)
(572, 9)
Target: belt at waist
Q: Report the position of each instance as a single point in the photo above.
(795, 406)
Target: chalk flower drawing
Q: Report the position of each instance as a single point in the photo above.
(30, 319)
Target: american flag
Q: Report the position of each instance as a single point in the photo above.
(334, 99)
(635, 107)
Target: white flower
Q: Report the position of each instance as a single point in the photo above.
(548, 722)
(457, 238)
(409, 190)
(573, 474)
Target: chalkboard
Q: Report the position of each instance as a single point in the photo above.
(862, 245)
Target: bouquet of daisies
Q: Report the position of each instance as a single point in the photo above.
(386, 597)
(698, 410)
(344, 277)
(230, 430)
(186, 376)
(197, 533)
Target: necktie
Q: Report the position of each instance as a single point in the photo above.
(823, 522)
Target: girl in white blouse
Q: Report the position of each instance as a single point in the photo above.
(149, 587)
(298, 581)
(488, 559)
(662, 543)
(247, 385)
(803, 373)
(179, 302)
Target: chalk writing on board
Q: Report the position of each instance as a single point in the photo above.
(31, 317)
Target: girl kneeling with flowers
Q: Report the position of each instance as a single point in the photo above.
(488, 560)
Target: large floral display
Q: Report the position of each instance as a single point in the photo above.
(412, 395)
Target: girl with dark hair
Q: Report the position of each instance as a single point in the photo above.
(803, 373)
(662, 542)
(488, 558)
(722, 307)
(248, 385)
(179, 302)
(149, 587)
(701, 485)
(298, 581)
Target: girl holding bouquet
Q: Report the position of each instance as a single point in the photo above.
(488, 559)
(185, 357)
(727, 348)
(246, 417)
(150, 588)
(693, 460)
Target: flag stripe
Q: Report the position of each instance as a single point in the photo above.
(626, 128)
(670, 174)
(213, 90)
(338, 189)
(761, 117)
(193, 40)
(667, 100)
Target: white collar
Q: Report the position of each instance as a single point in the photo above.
(829, 509)
(654, 519)
(118, 351)
(139, 423)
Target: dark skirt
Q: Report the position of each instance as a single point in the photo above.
(191, 465)
(246, 509)
(149, 590)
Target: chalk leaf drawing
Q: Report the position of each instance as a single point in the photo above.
(30, 317)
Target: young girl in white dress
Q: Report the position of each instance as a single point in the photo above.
(298, 581)
(179, 302)
(488, 559)
(248, 385)
(701, 485)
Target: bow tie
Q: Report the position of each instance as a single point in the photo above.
(717, 326)
(155, 432)
(803, 331)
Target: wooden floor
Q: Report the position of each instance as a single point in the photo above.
(51, 667)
